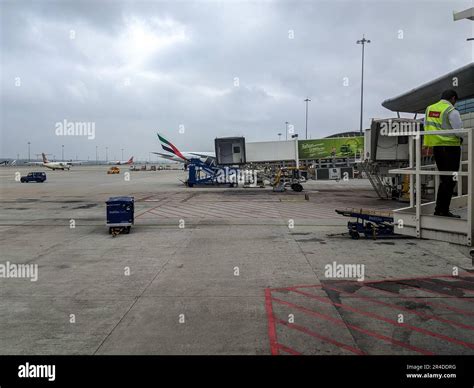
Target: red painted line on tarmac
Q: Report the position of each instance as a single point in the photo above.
(251, 210)
(240, 206)
(368, 285)
(197, 209)
(417, 298)
(162, 213)
(288, 350)
(224, 213)
(449, 296)
(396, 307)
(376, 281)
(173, 213)
(390, 321)
(372, 285)
(319, 336)
(279, 289)
(416, 278)
(146, 211)
(348, 325)
(430, 281)
(263, 207)
(182, 212)
(145, 198)
(243, 210)
(271, 323)
(220, 213)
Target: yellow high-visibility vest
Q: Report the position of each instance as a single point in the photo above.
(436, 119)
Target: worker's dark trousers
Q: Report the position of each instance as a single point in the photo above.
(447, 159)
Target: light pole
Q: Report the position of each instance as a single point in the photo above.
(279, 136)
(363, 41)
(286, 134)
(62, 152)
(307, 100)
(96, 154)
(29, 159)
(106, 154)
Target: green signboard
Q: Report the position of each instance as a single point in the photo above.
(335, 147)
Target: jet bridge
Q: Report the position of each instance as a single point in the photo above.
(418, 219)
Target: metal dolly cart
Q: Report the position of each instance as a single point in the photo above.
(370, 223)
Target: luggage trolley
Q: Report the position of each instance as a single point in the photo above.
(370, 223)
(120, 214)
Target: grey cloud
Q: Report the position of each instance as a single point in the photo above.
(181, 59)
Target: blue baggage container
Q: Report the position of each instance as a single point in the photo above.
(120, 214)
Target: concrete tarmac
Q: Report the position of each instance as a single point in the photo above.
(217, 270)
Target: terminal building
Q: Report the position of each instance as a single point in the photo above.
(417, 218)
(416, 100)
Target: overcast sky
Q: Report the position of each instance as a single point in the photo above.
(213, 68)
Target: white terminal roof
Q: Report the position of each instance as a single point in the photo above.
(466, 14)
(416, 100)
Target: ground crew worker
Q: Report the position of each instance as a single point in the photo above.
(446, 148)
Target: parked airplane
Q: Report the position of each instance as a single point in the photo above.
(120, 162)
(52, 165)
(6, 163)
(172, 153)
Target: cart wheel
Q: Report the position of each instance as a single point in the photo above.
(297, 187)
(127, 229)
(355, 235)
(110, 230)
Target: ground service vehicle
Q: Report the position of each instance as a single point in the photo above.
(113, 170)
(38, 177)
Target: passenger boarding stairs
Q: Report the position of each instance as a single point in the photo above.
(418, 220)
(372, 175)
